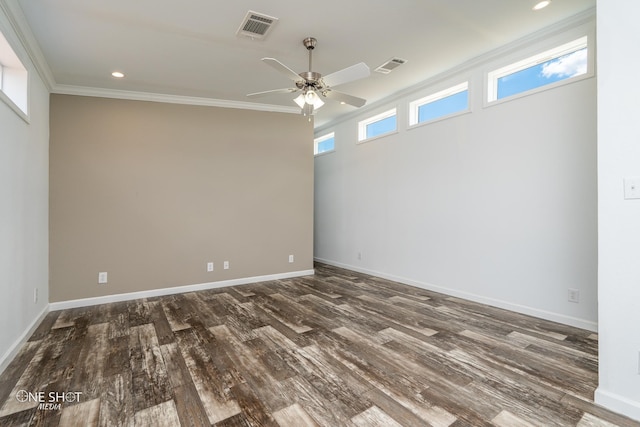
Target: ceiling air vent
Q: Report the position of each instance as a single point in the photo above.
(256, 25)
(390, 65)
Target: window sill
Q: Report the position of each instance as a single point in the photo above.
(324, 153)
(373, 138)
(4, 98)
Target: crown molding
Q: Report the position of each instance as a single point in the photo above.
(170, 99)
(13, 12)
(18, 22)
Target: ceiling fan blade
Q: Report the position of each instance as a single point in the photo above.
(344, 98)
(292, 75)
(349, 74)
(271, 92)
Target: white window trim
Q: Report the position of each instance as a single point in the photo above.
(323, 138)
(4, 98)
(414, 106)
(362, 125)
(14, 85)
(533, 60)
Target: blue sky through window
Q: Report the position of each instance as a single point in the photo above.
(444, 106)
(381, 126)
(564, 67)
(326, 145)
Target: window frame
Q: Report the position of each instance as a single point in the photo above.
(15, 78)
(363, 124)
(558, 50)
(320, 139)
(414, 106)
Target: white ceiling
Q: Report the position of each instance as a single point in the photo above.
(190, 47)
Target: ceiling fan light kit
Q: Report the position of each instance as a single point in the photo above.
(311, 98)
(313, 87)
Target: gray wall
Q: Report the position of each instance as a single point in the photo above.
(151, 192)
(618, 218)
(24, 236)
(497, 205)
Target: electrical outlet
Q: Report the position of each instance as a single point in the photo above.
(574, 295)
(102, 277)
(290, 258)
(209, 266)
(226, 265)
(359, 256)
(35, 295)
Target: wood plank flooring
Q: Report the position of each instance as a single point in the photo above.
(335, 349)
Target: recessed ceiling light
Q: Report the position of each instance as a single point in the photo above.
(542, 4)
(117, 74)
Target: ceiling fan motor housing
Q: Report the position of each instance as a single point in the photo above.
(311, 76)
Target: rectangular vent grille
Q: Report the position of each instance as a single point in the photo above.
(256, 25)
(390, 65)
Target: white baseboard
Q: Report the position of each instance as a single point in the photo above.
(11, 353)
(85, 302)
(530, 311)
(617, 403)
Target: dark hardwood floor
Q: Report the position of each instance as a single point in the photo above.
(335, 349)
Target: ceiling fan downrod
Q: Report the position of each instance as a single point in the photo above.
(311, 77)
(310, 44)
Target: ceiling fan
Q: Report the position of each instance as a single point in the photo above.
(313, 86)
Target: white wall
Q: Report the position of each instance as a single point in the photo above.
(619, 219)
(24, 210)
(497, 205)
